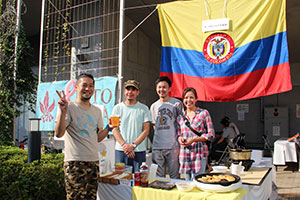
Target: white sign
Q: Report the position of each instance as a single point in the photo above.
(242, 108)
(215, 25)
(276, 130)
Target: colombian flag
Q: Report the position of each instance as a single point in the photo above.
(248, 60)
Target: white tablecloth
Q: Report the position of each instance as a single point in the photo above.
(262, 192)
(284, 151)
(267, 162)
(113, 192)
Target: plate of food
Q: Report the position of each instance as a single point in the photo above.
(218, 182)
(162, 185)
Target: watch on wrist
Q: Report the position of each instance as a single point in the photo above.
(134, 145)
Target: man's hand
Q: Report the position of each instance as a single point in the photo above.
(62, 102)
(110, 124)
(128, 150)
(131, 154)
(60, 127)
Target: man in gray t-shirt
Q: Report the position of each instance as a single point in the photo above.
(164, 112)
(82, 125)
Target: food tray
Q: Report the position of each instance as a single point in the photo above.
(162, 185)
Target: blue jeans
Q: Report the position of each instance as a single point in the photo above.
(135, 162)
(191, 175)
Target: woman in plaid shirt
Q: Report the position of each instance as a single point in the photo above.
(193, 150)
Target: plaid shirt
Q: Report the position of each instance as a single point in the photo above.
(190, 156)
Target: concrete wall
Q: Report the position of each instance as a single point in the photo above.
(253, 125)
(141, 61)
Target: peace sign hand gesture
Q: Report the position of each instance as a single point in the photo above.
(62, 102)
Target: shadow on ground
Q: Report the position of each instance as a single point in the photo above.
(288, 196)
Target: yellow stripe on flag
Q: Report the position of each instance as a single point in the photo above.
(250, 20)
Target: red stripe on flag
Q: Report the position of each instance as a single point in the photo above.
(262, 82)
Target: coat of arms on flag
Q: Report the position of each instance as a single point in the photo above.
(218, 48)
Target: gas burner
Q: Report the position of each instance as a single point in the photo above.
(246, 163)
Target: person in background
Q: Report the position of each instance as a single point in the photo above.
(193, 149)
(134, 128)
(78, 122)
(228, 134)
(164, 112)
(232, 125)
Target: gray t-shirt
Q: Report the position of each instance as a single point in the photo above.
(81, 140)
(228, 133)
(164, 115)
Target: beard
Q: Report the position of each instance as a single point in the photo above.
(163, 95)
(85, 98)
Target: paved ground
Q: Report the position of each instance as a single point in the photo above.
(288, 182)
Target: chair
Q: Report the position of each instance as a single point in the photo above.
(267, 145)
(239, 141)
(225, 155)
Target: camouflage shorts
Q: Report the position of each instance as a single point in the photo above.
(81, 179)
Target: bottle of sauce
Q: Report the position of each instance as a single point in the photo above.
(144, 174)
(137, 179)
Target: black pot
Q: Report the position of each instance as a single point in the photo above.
(246, 163)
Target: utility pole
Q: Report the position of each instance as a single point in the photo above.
(16, 63)
(120, 68)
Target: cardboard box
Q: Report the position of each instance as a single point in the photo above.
(114, 178)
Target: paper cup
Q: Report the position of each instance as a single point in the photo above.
(115, 120)
(257, 155)
(152, 172)
(237, 169)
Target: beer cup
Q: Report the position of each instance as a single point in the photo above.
(115, 121)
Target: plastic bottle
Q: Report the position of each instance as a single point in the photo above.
(144, 174)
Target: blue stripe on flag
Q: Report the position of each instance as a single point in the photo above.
(256, 55)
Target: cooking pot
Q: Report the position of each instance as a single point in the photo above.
(240, 154)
